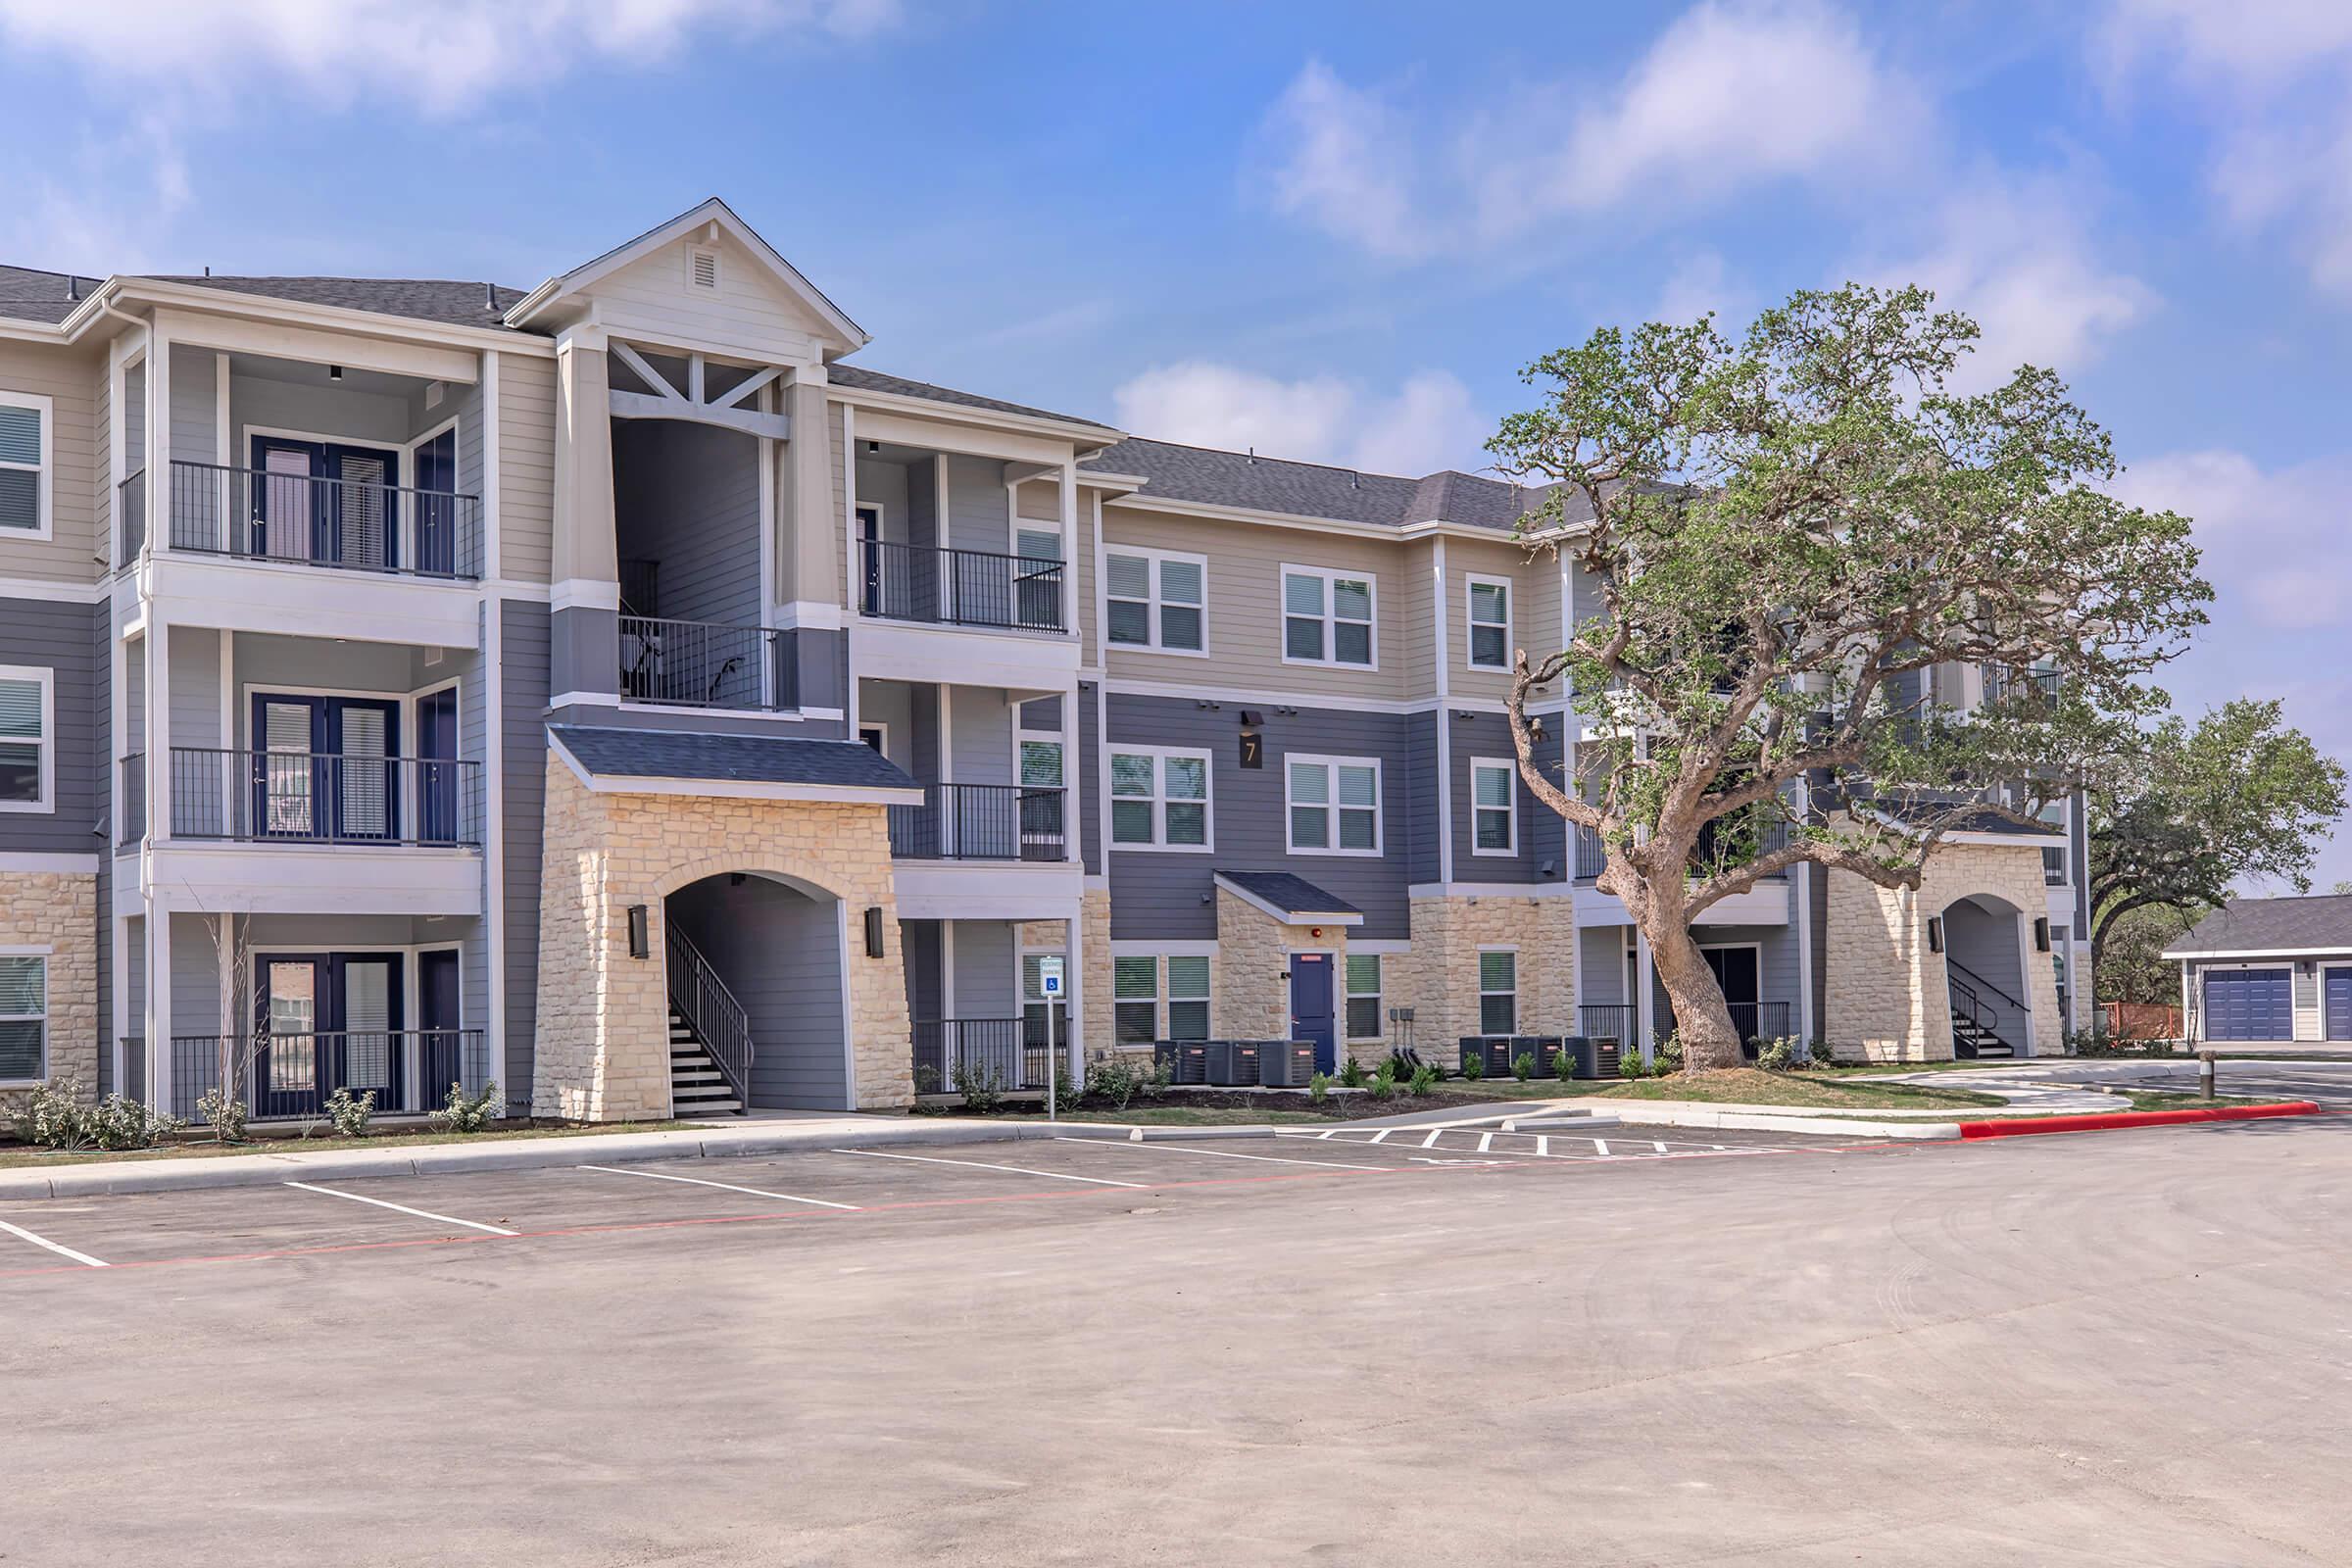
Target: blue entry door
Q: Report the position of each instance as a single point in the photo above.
(436, 501)
(326, 767)
(1311, 1006)
(2249, 1005)
(2337, 991)
(326, 502)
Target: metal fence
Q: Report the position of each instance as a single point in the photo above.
(1610, 1019)
(324, 797)
(291, 1076)
(130, 508)
(132, 773)
(980, 822)
(994, 1052)
(316, 522)
(702, 664)
(960, 587)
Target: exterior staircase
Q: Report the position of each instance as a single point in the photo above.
(1971, 1039)
(696, 1088)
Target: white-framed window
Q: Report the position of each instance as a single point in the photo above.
(876, 736)
(1135, 1001)
(1041, 763)
(1497, 991)
(1160, 799)
(25, 478)
(1493, 807)
(24, 1015)
(1158, 599)
(1332, 804)
(1188, 997)
(27, 738)
(1363, 996)
(1489, 620)
(1327, 617)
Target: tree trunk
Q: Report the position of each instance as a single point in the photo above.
(1702, 1019)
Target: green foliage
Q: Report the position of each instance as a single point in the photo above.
(1351, 1073)
(1384, 1082)
(926, 1079)
(462, 1114)
(1065, 1092)
(1778, 1056)
(1523, 1065)
(54, 1116)
(2239, 797)
(348, 1114)
(1424, 1078)
(1114, 1078)
(1563, 1063)
(981, 1085)
(1629, 1063)
(1819, 1054)
(1474, 1065)
(1318, 1088)
(1668, 1058)
(2131, 965)
(223, 1113)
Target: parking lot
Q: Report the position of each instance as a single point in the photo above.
(1738, 1348)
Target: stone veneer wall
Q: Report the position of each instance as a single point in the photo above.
(1250, 995)
(1094, 986)
(602, 1043)
(1441, 973)
(1887, 997)
(59, 910)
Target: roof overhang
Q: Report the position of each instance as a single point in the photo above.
(2257, 955)
(119, 292)
(1078, 431)
(1341, 917)
(1393, 533)
(615, 783)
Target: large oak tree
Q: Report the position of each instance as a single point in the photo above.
(1795, 543)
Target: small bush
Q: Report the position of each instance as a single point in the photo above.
(1563, 1062)
(1523, 1065)
(2161, 1047)
(349, 1115)
(1115, 1080)
(119, 1124)
(1777, 1055)
(1669, 1055)
(981, 1086)
(459, 1114)
(224, 1114)
(1424, 1078)
(1629, 1063)
(926, 1079)
(1163, 1073)
(1318, 1088)
(1474, 1065)
(1384, 1082)
(1819, 1054)
(1351, 1073)
(1065, 1092)
(53, 1116)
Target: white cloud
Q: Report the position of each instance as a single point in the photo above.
(1428, 423)
(2257, 43)
(1700, 285)
(2271, 540)
(444, 55)
(1344, 162)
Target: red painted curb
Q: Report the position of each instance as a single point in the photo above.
(2108, 1121)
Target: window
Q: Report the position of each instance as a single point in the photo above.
(1135, 1001)
(1333, 804)
(1497, 991)
(24, 1017)
(1493, 807)
(28, 763)
(1157, 600)
(24, 463)
(1490, 623)
(877, 736)
(1040, 765)
(1188, 998)
(1160, 799)
(1363, 996)
(1325, 618)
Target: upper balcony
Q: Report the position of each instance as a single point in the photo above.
(708, 665)
(960, 587)
(290, 516)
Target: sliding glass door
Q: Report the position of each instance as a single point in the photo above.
(326, 1022)
(326, 767)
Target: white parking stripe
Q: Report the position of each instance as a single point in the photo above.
(725, 1187)
(60, 1251)
(1486, 1141)
(1227, 1154)
(420, 1213)
(973, 1164)
(1382, 1135)
(1658, 1144)
(1543, 1146)
(1601, 1146)
(1431, 1141)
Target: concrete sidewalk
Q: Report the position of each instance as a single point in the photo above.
(70, 1177)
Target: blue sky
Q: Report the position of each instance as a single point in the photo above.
(1330, 230)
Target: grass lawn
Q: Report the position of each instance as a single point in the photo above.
(1514, 1089)
(2161, 1099)
(1751, 1086)
(15, 1157)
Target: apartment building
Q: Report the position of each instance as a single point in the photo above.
(619, 693)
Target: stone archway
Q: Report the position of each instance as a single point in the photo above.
(602, 1045)
(1987, 945)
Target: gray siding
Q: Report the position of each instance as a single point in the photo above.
(41, 633)
(980, 735)
(195, 689)
(779, 952)
(584, 649)
(195, 976)
(688, 497)
(1089, 776)
(1540, 832)
(1600, 965)
(522, 774)
(920, 952)
(986, 983)
(195, 405)
(891, 704)
(473, 952)
(922, 505)
(1158, 895)
(1818, 878)
(1420, 839)
(321, 409)
(884, 484)
(102, 775)
(978, 518)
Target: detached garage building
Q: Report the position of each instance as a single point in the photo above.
(2269, 971)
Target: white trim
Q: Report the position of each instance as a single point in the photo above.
(1510, 770)
(1285, 916)
(43, 470)
(1445, 720)
(62, 861)
(1514, 993)
(1209, 512)
(1472, 581)
(1380, 996)
(808, 615)
(882, 751)
(849, 1013)
(732, 789)
(1331, 806)
(1157, 602)
(46, 952)
(2254, 957)
(1330, 577)
(1162, 946)
(1160, 755)
(44, 801)
(583, 593)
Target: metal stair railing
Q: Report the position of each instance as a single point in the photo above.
(711, 1011)
(1968, 989)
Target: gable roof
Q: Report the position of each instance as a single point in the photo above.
(859, 378)
(2253, 926)
(1252, 483)
(650, 754)
(449, 301)
(1290, 898)
(713, 211)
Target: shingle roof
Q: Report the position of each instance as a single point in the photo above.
(449, 302)
(29, 294)
(732, 758)
(1294, 895)
(1316, 489)
(2272, 925)
(1938, 812)
(866, 381)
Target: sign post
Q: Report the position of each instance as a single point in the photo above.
(1049, 985)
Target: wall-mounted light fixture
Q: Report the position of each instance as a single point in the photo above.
(1934, 933)
(641, 944)
(1251, 718)
(334, 372)
(874, 931)
(2041, 934)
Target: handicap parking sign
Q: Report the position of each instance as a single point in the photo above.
(1049, 977)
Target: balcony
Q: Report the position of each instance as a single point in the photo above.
(290, 1076)
(960, 587)
(2053, 869)
(1591, 856)
(980, 822)
(312, 797)
(697, 664)
(996, 1053)
(2037, 683)
(299, 520)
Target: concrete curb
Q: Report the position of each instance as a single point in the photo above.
(271, 1169)
(2123, 1120)
(1655, 1114)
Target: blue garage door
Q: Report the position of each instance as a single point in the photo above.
(2338, 997)
(2249, 1005)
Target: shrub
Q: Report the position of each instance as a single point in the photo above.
(1066, 1094)
(1163, 1073)
(2161, 1047)
(1563, 1062)
(224, 1113)
(1424, 1078)
(1819, 1054)
(1116, 1079)
(459, 1114)
(54, 1116)
(120, 1122)
(981, 1086)
(349, 1115)
(1474, 1065)
(1351, 1073)
(1384, 1082)
(926, 1079)
(1629, 1063)
(1523, 1065)
(1669, 1055)
(1318, 1088)
(1777, 1055)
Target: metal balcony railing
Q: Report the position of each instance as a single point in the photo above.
(2000, 683)
(342, 524)
(1761, 1020)
(994, 1052)
(980, 822)
(960, 587)
(132, 773)
(2053, 867)
(315, 796)
(291, 1076)
(130, 506)
(701, 663)
(1591, 856)
(1608, 1020)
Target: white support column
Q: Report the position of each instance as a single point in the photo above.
(2192, 1028)
(1645, 984)
(157, 1018)
(1069, 547)
(157, 646)
(1445, 717)
(2027, 958)
(1802, 873)
(1073, 945)
(119, 984)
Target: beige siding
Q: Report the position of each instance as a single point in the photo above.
(102, 488)
(69, 379)
(1470, 557)
(752, 314)
(1416, 672)
(526, 466)
(836, 426)
(1244, 604)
